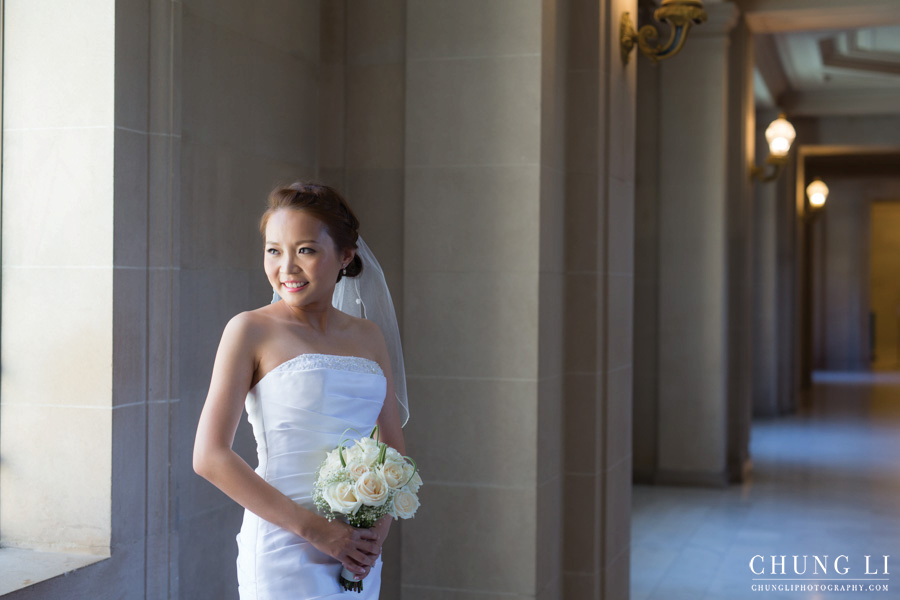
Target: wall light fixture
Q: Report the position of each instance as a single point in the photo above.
(817, 192)
(679, 14)
(780, 135)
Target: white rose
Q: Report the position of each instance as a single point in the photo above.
(405, 504)
(357, 468)
(341, 497)
(367, 442)
(415, 483)
(332, 462)
(371, 488)
(412, 477)
(393, 455)
(394, 474)
(353, 453)
(370, 453)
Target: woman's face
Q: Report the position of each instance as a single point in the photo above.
(301, 260)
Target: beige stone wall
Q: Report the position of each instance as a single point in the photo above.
(361, 146)
(361, 150)
(250, 111)
(488, 149)
(471, 300)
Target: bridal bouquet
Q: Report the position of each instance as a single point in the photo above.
(363, 483)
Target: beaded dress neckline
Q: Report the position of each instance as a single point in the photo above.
(309, 361)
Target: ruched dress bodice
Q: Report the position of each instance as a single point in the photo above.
(299, 412)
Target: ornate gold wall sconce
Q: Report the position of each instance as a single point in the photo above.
(679, 14)
(780, 135)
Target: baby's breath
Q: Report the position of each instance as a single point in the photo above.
(321, 484)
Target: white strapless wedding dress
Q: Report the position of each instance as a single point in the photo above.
(299, 412)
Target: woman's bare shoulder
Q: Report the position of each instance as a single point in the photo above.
(370, 338)
(250, 326)
(364, 329)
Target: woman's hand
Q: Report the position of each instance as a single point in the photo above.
(381, 528)
(357, 549)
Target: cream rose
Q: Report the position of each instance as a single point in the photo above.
(393, 455)
(412, 477)
(341, 497)
(415, 483)
(370, 455)
(357, 468)
(332, 462)
(352, 453)
(371, 488)
(405, 504)
(367, 442)
(394, 474)
(368, 450)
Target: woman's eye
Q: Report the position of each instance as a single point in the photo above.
(306, 250)
(272, 251)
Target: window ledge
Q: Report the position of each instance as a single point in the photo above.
(20, 568)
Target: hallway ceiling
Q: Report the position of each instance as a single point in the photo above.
(829, 72)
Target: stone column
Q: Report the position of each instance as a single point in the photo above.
(765, 284)
(483, 297)
(789, 229)
(600, 171)
(361, 119)
(646, 271)
(249, 120)
(694, 257)
(739, 202)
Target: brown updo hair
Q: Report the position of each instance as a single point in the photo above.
(328, 206)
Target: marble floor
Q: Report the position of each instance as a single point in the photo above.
(825, 482)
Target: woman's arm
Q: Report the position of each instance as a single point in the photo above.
(389, 425)
(215, 460)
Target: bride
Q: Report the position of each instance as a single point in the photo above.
(306, 371)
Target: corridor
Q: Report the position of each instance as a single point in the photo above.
(825, 482)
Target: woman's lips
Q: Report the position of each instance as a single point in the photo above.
(292, 286)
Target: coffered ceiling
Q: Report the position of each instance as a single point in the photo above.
(826, 57)
(844, 72)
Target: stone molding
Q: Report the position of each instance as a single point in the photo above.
(720, 20)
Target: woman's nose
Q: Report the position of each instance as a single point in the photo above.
(289, 265)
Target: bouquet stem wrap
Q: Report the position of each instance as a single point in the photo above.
(350, 581)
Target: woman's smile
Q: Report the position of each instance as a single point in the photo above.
(294, 285)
